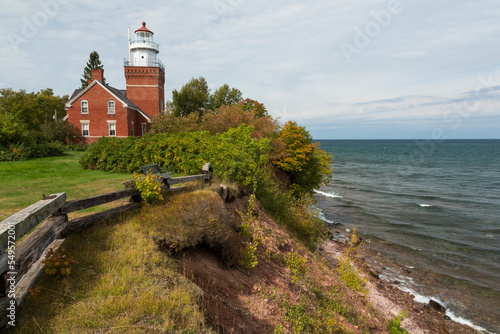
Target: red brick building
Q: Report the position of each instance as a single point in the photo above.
(101, 110)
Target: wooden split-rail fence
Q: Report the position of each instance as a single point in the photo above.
(21, 260)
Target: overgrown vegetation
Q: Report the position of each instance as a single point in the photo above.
(149, 187)
(350, 274)
(394, 325)
(31, 125)
(122, 283)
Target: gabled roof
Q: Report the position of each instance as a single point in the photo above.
(120, 95)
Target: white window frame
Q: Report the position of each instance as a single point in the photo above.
(110, 125)
(86, 108)
(111, 107)
(87, 125)
(144, 128)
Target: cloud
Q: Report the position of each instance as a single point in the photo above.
(425, 61)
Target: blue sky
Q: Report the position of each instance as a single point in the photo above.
(346, 69)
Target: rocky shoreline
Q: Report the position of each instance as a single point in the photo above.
(390, 300)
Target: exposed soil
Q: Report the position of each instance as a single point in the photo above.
(237, 300)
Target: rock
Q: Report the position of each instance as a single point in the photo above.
(435, 305)
(224, 192)
(447, 317)
(374, 273)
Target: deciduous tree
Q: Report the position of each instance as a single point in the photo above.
(194, 97)
(225, 96)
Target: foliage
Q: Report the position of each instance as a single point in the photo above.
(31, 124)
(250, 259)
(218, 121)
(225, 95)
(255, 107)
(305, 162)
(248, 232)
(352, 276)
(58, 261)
(234, 154)
(194, 97)
(297, 265)
(93, 63)
(123, 283)
(149, 187)
(394, 325)
(22, 151)
(299, 214)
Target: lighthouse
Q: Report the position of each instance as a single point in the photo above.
(145, 73)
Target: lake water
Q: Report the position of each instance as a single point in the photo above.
(431, 208)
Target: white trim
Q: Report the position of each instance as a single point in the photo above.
(109, 129)
(88, 129)
(111, 121)
(144, 129)
(84, 121)
(81, 106)
(96, 82)
(113, 112)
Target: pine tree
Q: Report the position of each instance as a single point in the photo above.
(93, 63)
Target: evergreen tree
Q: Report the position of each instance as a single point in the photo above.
(93, 63)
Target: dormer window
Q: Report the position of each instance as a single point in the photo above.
(111, 107)
(85, 107)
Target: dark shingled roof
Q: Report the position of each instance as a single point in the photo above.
(120, 93)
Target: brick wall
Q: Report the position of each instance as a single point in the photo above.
(98, 116)
(145, 88)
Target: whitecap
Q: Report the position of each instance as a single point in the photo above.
(425, 300)
(423, 205)
(326, 220)
(328, 194)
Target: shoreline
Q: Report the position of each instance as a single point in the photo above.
(389, 297)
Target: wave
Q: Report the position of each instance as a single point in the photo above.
(425, 300)
(328, 194)
(326, 220)
(423, 205)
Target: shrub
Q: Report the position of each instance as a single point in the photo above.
(351, 275)
(394, 325)
(149, 187)
(306, 163)
(234, 154)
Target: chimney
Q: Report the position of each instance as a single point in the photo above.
(97, 74)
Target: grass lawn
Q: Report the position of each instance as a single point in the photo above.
(23, 183)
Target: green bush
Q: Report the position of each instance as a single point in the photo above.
(24, 151)
(234, 154)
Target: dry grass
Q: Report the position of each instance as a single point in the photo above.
(121, 284)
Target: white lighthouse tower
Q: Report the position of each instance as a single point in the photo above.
(143, 50)
(145, 73)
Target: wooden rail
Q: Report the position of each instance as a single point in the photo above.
(21, 258)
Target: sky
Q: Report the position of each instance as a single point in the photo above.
(345, 69)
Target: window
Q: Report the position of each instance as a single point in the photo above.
(132, 128)
(111, 107)
(112, 129)
(143, 128)
(85, 129)
(85, 107)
